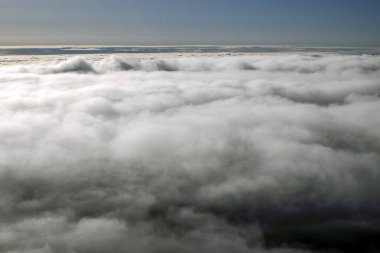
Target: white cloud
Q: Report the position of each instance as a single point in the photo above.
(182, 154)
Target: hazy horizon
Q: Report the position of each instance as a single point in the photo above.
(185, 49)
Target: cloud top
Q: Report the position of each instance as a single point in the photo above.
(208, 154)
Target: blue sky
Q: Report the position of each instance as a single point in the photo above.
(169, 22)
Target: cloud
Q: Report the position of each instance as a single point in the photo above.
(208, 154)
(88, 50)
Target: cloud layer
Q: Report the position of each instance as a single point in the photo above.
(206, 154)
(87, 49)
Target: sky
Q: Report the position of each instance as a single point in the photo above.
(179, 22)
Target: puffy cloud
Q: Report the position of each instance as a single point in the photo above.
(208, 154)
